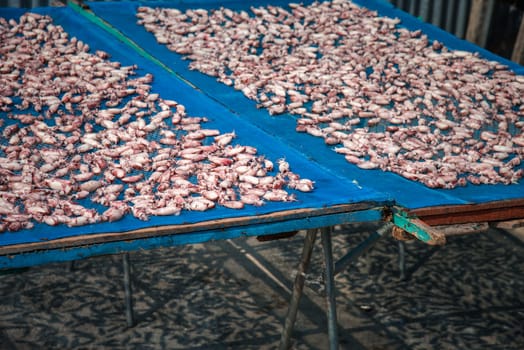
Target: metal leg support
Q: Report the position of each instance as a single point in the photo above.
(402, 259)
(330, 288)
(331, 270)
(363, 247)
(298, 286)
(128, 291)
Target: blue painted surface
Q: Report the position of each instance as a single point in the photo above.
(337, 181)
(406, 193)
(331, 189)
(68, 254)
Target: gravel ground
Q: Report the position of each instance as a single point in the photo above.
(234, 295)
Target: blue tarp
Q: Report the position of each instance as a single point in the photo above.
(406, 193)
(331, 189)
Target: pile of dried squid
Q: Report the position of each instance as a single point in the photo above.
(84, 141)
(379, 94)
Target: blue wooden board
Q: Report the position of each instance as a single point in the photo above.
(32, 258)
(406, 193)
(331, 189)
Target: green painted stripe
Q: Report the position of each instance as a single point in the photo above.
(120, 36)
(405, 224)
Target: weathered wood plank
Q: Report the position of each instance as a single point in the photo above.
(518, 50)
(479, 21)
(517, 232)
(463, 229)
(510, 224)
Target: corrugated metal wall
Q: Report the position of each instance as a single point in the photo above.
(497, 34)
(24, 3)
(450, 15)
(504, 27)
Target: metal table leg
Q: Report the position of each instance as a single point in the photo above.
(402, 259)
(70, 266)
(330, 288)
(128, 291)
(331, 270)
(363, 247)
(298, 286)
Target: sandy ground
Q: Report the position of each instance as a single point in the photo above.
(468, 294)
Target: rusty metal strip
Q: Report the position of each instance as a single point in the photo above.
(462, 214)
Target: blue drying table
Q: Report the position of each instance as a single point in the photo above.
(344, 193)
(334, 200)
(435, 206)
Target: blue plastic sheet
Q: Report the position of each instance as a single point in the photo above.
(331, 189)
(406, 193)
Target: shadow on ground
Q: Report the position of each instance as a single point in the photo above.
(234, 294)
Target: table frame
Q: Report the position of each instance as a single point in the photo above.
(312, 220)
